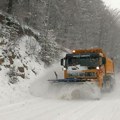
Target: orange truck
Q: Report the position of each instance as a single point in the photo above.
(88, 65)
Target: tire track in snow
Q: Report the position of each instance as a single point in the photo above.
(44, 109)
(103, 111)
(53, 114)
(23, 110)
(39, 112)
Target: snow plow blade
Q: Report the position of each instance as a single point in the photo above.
(68, 80)
(75, 88)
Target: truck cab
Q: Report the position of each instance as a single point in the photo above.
(87, 65)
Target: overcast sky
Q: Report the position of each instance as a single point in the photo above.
(113, 3)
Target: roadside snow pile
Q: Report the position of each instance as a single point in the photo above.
(11, 93)
(19, 67)
(69, 91)
(40, 87)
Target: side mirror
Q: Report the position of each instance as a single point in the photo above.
(103, 60)
(62, 62)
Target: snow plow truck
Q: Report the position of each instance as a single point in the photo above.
(88, 66)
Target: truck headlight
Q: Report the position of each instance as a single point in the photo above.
(64, 68)
(97, 68)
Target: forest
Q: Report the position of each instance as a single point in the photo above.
(73, 24)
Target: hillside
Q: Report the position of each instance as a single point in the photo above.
(22, 58)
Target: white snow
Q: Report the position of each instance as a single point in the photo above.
(40, 108)
(45, 107)
(12, 93)
(34, 98)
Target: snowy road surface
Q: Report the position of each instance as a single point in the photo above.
(47, 109)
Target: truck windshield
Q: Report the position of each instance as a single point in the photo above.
(83, 60)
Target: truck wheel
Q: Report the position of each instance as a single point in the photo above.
(108, 83)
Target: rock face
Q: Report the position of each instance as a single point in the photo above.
(7, 61)
(21, 72)
(21, 69)
(10, 31)
(1, 61)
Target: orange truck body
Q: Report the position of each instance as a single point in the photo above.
(97, 73)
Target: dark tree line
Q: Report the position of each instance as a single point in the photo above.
(76, 24)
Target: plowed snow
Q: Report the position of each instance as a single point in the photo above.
(43, 88)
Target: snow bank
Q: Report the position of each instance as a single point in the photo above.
(11, 93)
(41, 86)
(19, 91)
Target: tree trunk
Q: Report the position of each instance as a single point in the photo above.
(10, 5)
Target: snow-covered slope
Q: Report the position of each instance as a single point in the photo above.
(14, 85)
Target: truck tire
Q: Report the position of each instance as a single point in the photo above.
(108, 83)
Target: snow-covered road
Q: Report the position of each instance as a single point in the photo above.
(49, 109)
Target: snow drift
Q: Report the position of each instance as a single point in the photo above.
(43, 88)
(18, 89)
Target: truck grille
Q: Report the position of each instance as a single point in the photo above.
(83, 74)
(87, 74)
